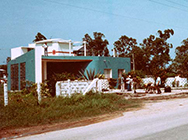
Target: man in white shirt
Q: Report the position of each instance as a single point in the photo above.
(177, 80)
(158, 83)
(128, 82)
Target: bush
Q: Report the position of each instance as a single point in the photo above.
(90, 74)
(186, 85)
(29, 87)
(138, 73)
(45, 92)
(59, 77)
(112, 83)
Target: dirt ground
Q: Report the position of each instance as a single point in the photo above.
(150, 107)
(19, 132)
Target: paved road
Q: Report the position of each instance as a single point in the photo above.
(177, 133)
(166, 125)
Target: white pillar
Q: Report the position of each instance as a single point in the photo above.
(5, 94)
(69, 47)
(69, 87)
(84, 42)
(58, 88)
(99, 85)
(114, 52)
(38, 69)
(44, 70)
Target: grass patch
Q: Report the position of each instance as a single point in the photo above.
(24, 111)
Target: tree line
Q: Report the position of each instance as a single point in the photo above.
(151, 57)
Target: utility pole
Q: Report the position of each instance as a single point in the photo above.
(133, 62)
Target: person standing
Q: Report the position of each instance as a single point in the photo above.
(135, 81)
(122, 84)
(177, 80)
(158, 83)
(128, 82)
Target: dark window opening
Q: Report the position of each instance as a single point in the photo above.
(22, 75)
(14, 77)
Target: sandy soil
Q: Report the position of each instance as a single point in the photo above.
(150, 107)
(156, 107)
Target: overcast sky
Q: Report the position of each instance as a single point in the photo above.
(21, 20)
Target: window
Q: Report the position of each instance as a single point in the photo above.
(120, 72)
(108, 73)
(22, 75)
(14, 77)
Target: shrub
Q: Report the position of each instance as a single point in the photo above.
(59, 77)
(90, 74)
(45, 92)
(186, 85)
(29, 88)
(137, 73)
(112, 83)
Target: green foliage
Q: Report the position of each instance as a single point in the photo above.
(186, 85)
(151, 56)
(25, 112)
(29, 87)
(59, 77)
(127, 47)
(124, 46)
(180, 62)
(170, 74)
(63, 76)
(96, 46)
(138, 73)
(156, 52)
(112, 83)
(22, 98)
(45, 92)
(90, 74)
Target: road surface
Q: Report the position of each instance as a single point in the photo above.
(167, 120)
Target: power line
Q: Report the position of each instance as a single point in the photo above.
(176, 3)
(118, 15)
(4, 49)
(168, 5)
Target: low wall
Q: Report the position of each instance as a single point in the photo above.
(66, 88)
(168, 81)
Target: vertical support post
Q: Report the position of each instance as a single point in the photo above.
(69, 86)
(84, 42)
(133, 62)
(58, 89)
(38, 70)
(44, 70)
(114, 52)
(69, 47)
(5, 94)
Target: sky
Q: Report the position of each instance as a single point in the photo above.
(21, 20)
